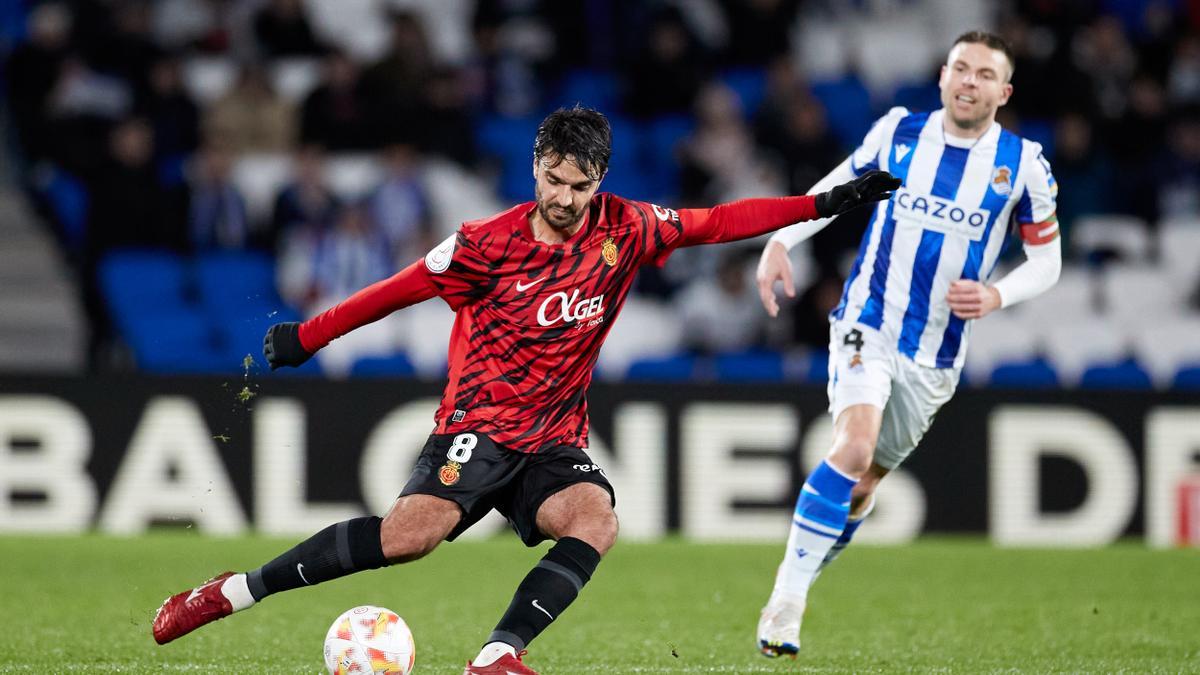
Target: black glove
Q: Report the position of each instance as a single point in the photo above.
(282, 346)
(872, 186)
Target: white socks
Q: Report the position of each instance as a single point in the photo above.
(237, 592)
(492, 651)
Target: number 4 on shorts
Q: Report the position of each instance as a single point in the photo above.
(855, 338)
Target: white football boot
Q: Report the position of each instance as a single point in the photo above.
(779, 627)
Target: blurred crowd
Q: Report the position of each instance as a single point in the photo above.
(125, 134)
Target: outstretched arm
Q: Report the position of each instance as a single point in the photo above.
(748, 218)
(788, 237)
(291, 344)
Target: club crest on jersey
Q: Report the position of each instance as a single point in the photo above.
(1002, 181)
(609, 250)
(449, 473)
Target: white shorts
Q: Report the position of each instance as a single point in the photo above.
(866, 368)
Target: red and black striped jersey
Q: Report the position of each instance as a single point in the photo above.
(532, 316)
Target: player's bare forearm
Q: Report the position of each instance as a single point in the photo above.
(774, 266)
(407, 287)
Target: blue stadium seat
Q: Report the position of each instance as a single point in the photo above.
(230, 280)
(68, 199)
(628, 175)
(750, 84)
(1036, 373)
(1187, 378)
(660, 138)
(817, 371)
(847, 106)
(1040, 131)
(749, 366)
(918, 96)
(240, 330)
(135, 281)
(1124, 374)
(510, 142)
(175, 340)
(396, 365)
(591, 88)
(677, 368)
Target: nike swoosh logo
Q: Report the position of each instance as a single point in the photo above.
(196, 591)
(521, 288)
(300, 571)
(542, 610)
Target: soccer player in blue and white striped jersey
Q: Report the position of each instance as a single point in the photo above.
(899, 335)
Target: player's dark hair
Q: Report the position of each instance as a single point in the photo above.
(991, 41)
(582, 133)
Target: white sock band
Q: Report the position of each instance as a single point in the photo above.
(237, 592)
(492, 651)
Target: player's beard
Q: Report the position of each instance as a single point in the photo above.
(968, 122)
(557, 217)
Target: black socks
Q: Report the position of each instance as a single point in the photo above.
(345, 548)
(546, 592)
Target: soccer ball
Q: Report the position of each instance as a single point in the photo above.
(369, 640)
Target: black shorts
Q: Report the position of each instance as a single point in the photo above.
(473, 471)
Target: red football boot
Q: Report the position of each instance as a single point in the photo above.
(505, 665)
(184, 612)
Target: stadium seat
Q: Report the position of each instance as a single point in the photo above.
(240, 330)
(918, 96)
(1100, 237)
(592, 88)
(810, 367)
(749, 366)
(396, 365)
(1188, 378)
(647, 329)
(135, 279)
(68, 199)
(1122, 374)
(230, 281)
(352, 176)
(294, 78)
(847, 107)
(1001, 337)
(1165, 343)
(1039, 131)
(1074, 343)
(175, 340)
(424, 331)
(750, 85)
(660, 139)
(1035, 373)
(259, 177)
(510, 142)
(1179, 251)
(208, 78)
(677, 368)
(628, 175)
(1072, 297)
(1136, 293)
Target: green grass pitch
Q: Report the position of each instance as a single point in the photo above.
(84, 604)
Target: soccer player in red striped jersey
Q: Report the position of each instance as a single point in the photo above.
(535, 289)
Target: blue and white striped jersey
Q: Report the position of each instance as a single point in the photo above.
(949, 220)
